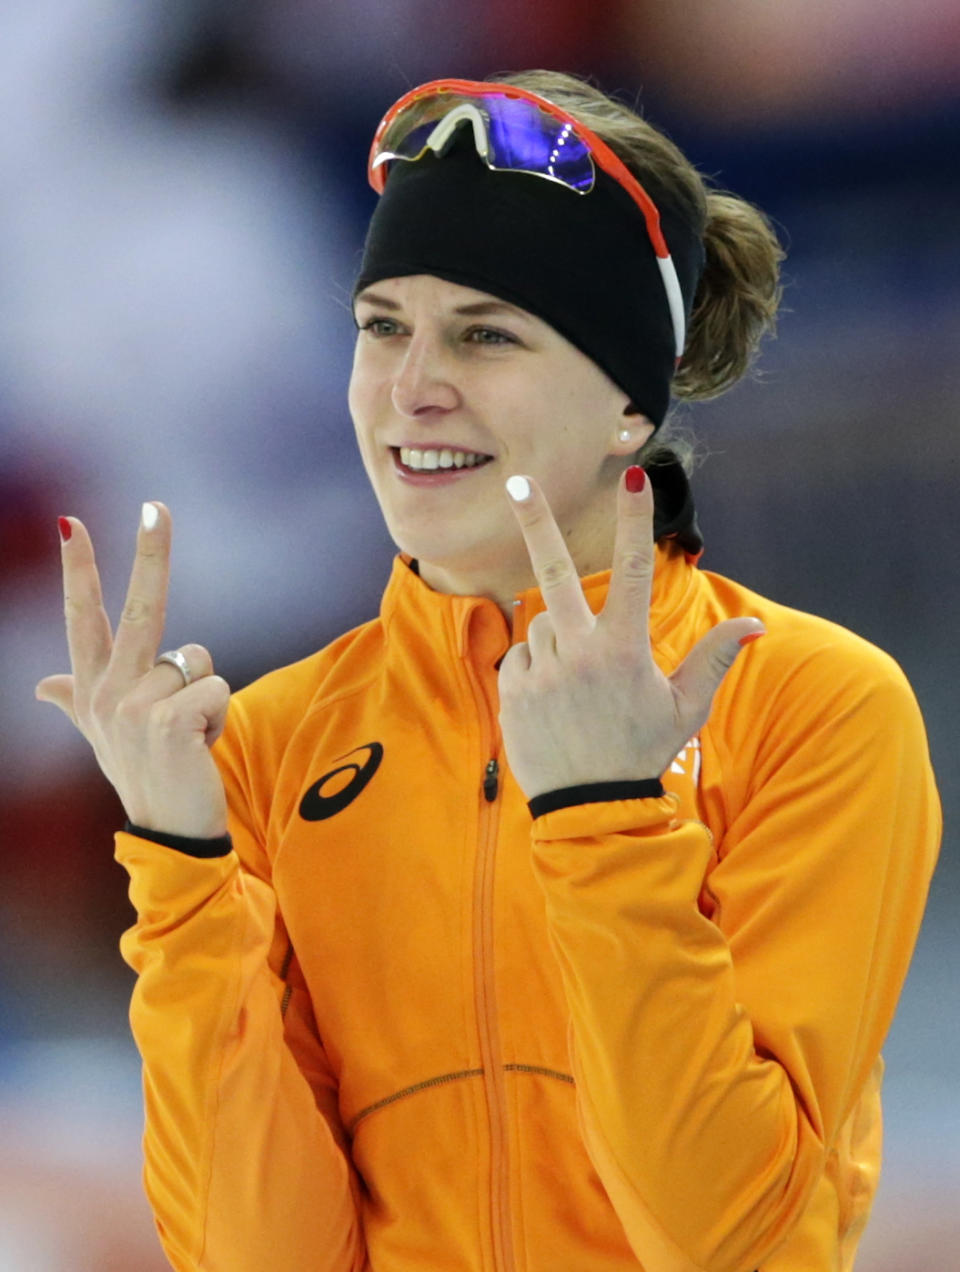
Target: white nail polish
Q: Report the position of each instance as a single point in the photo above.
(518, 488)
(149, 515)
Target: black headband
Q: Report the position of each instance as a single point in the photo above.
(582, 263)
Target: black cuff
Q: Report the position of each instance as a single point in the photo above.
(594, 793)
(218, 847)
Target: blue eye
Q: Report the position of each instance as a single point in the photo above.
(490, 336)
(375, 326)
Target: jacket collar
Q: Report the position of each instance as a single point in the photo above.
(473, 626)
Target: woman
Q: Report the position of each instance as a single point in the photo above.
(496, 935)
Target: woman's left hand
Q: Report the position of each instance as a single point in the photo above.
(581, 700)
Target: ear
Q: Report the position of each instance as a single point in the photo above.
(639, 424)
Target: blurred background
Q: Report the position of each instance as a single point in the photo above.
(183, 206)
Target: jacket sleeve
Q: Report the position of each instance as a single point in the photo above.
(246, 1164)
(716, 1059)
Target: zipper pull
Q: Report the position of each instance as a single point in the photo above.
(490, 784)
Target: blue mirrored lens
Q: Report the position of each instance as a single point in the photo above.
(522, 138)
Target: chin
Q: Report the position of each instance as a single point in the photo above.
(443, 550)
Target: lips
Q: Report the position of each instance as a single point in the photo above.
(398, 462)
(433, 476)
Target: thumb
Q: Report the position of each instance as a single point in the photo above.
(698, 677)
(59, 691)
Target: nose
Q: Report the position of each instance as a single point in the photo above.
(423, 380)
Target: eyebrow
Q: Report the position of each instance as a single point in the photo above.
(477, 309)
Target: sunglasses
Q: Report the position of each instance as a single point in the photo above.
(515, 130)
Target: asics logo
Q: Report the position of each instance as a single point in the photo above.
(315, 806)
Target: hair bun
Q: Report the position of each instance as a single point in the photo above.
(737, 298)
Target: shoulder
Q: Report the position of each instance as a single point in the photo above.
(806, 675)
(814, 732)
(798, 644)
(272, 708)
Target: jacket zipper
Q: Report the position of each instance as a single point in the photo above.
(490, 781)
(485, 989)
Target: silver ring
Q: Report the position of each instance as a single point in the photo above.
(176, 659)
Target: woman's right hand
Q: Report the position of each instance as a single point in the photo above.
(150, 732)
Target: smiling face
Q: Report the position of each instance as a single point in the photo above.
(439, 366)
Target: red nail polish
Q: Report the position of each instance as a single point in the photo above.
(636, 479)
(745, 640)
(66, 529)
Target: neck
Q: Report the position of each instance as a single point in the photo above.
(503, 582)
(496, 587)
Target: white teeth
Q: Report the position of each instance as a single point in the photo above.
(432, 459)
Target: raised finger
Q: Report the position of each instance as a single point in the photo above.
(626, 611)
(550, 557)
(89, 638)
(140, 628)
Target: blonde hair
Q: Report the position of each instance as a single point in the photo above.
(739, 292)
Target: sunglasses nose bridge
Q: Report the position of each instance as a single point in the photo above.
(446, 128)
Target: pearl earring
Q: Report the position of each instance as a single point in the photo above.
(624, 435)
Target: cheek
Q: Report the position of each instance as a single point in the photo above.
(354, 404)
(575, 419)
(361, 393)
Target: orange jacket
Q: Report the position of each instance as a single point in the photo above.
(401, 1025)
